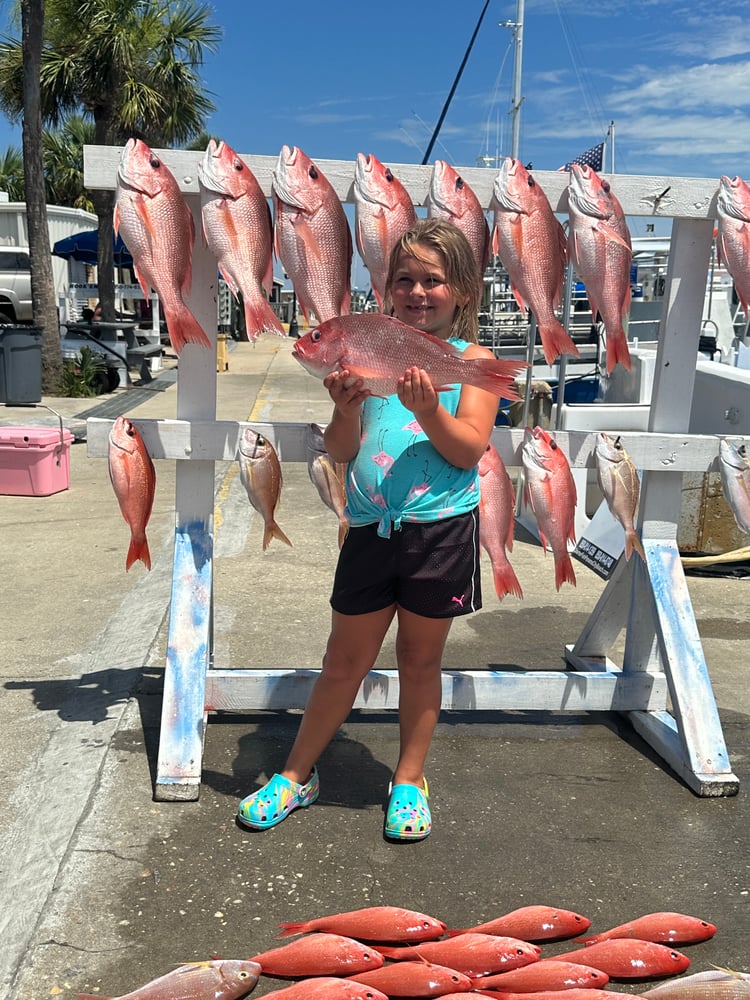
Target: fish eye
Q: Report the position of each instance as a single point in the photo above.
(459, 183)
(315, 335)
(388, 174)
(243, 975)
(605, 186)
(553, 445)
(238, 165)
(532, 182)
(312, 173)
(454, 979)
(154, 161)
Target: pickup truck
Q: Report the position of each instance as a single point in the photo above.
(15, 285)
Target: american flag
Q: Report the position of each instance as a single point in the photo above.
(593, 158)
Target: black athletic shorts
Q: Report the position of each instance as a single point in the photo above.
(429, 569)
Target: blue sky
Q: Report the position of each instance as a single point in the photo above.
(336, 78)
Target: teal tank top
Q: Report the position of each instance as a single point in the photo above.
(398, 475)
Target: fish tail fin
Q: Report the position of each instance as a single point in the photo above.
(260, 318)
(388, 951)
(617, 351)
(506, 582)
(138, 550)
(289, 930)
(564, 572)
(555, 341)
(633, 543)
(497, 376)
(272, 530)
(184, 328)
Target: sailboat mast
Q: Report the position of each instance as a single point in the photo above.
(517, 73)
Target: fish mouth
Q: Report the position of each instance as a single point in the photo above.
(503, 198)
(207, 175)
(284, 176)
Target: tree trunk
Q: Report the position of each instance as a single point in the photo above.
(42, 281)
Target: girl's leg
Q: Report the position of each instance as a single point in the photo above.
(419, 650)
(353, 647)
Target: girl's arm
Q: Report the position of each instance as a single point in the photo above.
(462, 439)
(343, 434)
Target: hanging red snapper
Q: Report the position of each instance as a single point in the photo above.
(327, 988)
(734, 466)
(473, 954)
(238, 229)
(311, 236)
(329, 479)
(260, 473)
(452, 199)
(320, 954)
(601, 252)
(534, 923)
(496, 522)
(133, 478)
(373, 923)
(618, 480)
(662, 927)
(630, 958)
(532, 247)
(379, 349)
(157, 227)
(221, 979)
(415, 979)
(551, 491)
(383, 212)
(550, 974)
(733, 210)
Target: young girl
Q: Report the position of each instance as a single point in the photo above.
(412, 552)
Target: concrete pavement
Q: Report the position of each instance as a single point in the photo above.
(105, 889)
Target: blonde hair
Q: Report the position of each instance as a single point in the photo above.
(460, 266)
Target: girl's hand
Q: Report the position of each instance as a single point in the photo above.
(417, 393)
(346, 391)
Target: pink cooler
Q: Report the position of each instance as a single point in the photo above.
(34, 461)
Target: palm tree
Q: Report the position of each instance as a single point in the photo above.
(129, 66)
(11, 174)
(63, 163)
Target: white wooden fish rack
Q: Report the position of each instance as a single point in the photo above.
(662, 683)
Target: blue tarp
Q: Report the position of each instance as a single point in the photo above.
(83, 246)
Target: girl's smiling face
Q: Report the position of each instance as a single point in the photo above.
(420, 294)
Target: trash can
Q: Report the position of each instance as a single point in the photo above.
(20, 364)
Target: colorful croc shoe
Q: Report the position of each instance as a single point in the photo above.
(276, 799)
(408, 815)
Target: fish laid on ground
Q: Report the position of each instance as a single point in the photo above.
(374, 923)
(134, 481)
(550, 974)
(451, 198)
(328, 478)
(496, 521)
(532, 246)
(238, 229)
(157, 227)
(571, 994)
(601, 252)
(714, 984)
(473, 954)
(618, 480)
(734, 466)
(321, 954)
(663, 927)
(260, 473)
(733, 243)
(327, 988)
(415, 979)
(534, 923)
(383, 212)
(220, 979)
(551, 492)
(311, 236)
(630, 958)
(379, 349)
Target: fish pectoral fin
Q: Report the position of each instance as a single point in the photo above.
(611, 234)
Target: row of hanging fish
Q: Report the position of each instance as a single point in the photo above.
(310, 235)
(381, 952)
